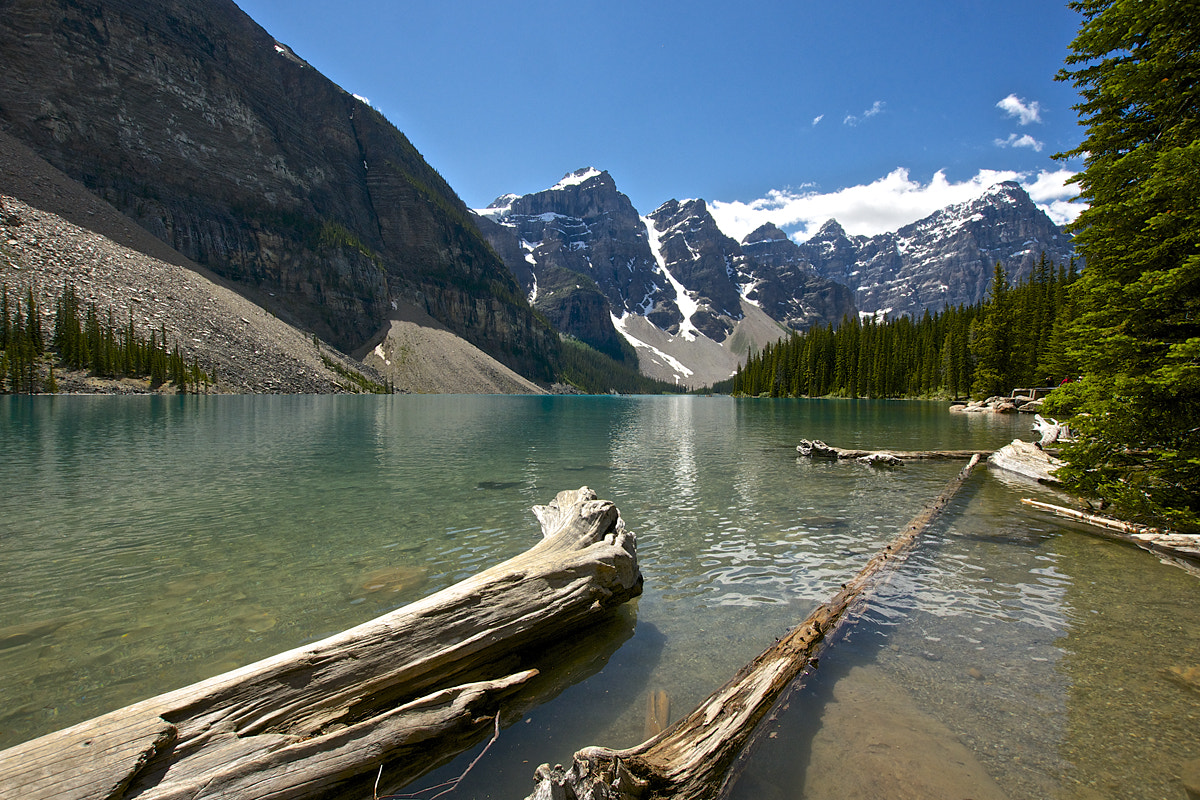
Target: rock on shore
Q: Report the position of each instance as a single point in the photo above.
(999, 405)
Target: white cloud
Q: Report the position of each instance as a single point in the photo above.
(876, 108)
(885, 204)
(1021, 141)
(1026, 113)
(1054, 192)
(817, 119)
(362, 99)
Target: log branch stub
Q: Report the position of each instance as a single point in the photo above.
(691, 760)
(421, 683)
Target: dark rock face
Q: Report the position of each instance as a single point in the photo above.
(783, 283)
(702, 259)
(574, 245)
(194, 121)
(945, 258)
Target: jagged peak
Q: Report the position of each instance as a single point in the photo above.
(578, 177)
(832, 229)
(504, 201)
(681, 209)
(1005, 189)
(1004, 192)
(768, 232)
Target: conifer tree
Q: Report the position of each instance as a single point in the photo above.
(1135, 335)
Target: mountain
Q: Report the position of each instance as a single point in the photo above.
(192, 120)
(581, 252)
(54, 233)
(946, 258)
(669, 284)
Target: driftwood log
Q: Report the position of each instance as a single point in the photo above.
(815, 448)
(691, 760)
(1049, 431)
(408, 689)
(1026, 459)
(1182, 548)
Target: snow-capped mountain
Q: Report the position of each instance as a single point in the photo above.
(945, 258)
(693, 302)
(671, 279)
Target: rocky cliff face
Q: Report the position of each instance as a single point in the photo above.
(580, 251)
(699, 258)
(780, 280)
(193, 120)
(945, 258)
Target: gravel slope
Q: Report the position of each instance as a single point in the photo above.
(419, 354)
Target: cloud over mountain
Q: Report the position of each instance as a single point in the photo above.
(887, 203)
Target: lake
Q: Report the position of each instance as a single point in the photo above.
(149, 542)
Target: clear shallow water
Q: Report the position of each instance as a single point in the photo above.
(150, 542)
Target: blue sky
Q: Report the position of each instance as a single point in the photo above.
(875, 113)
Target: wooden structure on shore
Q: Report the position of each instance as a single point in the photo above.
(408, 689)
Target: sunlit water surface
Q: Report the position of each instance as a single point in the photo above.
(147, 543)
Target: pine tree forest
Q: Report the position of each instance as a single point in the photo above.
(1011, 339)
(84, 339)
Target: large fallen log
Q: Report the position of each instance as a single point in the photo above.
(691, 760)
(407, 689)
(1026, 459)
(815, 448)
(1177, 546)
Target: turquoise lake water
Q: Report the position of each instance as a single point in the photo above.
(150, 542)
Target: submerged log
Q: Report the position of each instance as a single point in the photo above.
(691, 760)
(815, 448)
(418, 684)
(1160, 542)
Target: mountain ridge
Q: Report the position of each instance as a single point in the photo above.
(681, 274)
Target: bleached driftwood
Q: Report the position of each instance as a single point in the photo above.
(815, 448)
(1029, 460)
(1165, 543)
(1049, 430)
(691, 760)
(408, 689)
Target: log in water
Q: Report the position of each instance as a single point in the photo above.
(691, 759)
(412, 687)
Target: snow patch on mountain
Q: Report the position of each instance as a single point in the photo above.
(575, 178)
(673, 363)
(687, 306)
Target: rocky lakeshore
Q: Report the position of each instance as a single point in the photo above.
(1000, 405)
